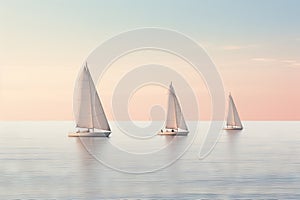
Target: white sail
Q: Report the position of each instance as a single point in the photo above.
(171, 122)
(89, 112)
(233, 118)
(179, 116)
(175, 119)
(82, 101)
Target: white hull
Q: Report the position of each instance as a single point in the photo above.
(90, 134)
(175, 133)
(233, 128)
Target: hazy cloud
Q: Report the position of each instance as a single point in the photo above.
(285, 62)
(288, 61)
(264, 59)
(238, 47)
(295, 65)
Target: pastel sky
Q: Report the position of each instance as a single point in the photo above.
(254, 44)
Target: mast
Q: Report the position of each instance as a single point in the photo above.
(91, 100)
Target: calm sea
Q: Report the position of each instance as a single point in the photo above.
(39, 161)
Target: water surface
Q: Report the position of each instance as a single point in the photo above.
(39, 161)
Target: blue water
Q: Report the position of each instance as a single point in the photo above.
(39, 161)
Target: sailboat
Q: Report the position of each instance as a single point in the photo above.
(175, 123)
(233, 119)
(89, 114)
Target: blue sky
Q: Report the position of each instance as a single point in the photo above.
(45, 24)
(238, 20)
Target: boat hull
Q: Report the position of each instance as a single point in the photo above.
(169, 133)
(90, 134)
(233, 128)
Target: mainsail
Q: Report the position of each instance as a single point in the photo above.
(89, 112)
(175, 119)
(233, 118)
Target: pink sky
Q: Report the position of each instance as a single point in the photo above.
(262, 89)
